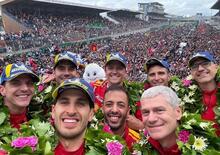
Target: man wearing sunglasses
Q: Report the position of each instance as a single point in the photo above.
(204, 72)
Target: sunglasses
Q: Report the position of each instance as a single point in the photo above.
(204, 64)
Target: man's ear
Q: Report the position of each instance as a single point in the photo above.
(178, 113)
(2, 90)
(91, 114)
(53, 112)
(129, 109)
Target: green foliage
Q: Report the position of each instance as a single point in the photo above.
(135, 89)
(96, 142)
(198, 129)
(42, 130)
(40, 106)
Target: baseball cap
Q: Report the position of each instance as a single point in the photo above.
(12, 71)
(117, 56)
(66, 55)
(76, 83)
(203, 54)
(153, 61)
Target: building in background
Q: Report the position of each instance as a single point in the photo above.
(152, 11)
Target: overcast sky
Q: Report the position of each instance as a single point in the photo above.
(177, 7)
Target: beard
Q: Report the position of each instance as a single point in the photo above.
(119, 125)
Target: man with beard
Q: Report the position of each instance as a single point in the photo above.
(72, 111)
(204, 72)
(17, 88)
(116, 110)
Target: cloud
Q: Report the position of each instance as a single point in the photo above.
(177, 7)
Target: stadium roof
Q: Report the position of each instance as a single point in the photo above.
(124, 12)
(155, 3)
(216, 5)
(56, 3)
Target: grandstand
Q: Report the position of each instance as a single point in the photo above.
(43, 7)
(37, 23)
(216, 18)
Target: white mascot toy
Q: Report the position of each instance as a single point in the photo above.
(93, 72)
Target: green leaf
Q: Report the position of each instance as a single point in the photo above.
(2, 117)
(47, 149)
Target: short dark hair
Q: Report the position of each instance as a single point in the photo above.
(116, 87)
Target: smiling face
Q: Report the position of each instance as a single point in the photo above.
(18, 93)
(64, 70)
(203, 71)
(115, 109)
(160, 118)
(158, 75)
(115, 72)
(71, 114)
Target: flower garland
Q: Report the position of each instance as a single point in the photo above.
(195, 136)
(143, 146)
(42, 95)
(6, 131)
(134, 89)
(33, 137)
(191, 96)
(100, 142)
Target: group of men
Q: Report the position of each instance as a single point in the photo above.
(76, 101)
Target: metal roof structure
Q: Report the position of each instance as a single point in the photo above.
(216, 5)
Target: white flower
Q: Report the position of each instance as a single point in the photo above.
(204, 125)
(136, 152)
(200, 144)
(189, 77)
(191, 94)
(174, 85)
(182, 103)
(193, 87)
(192, 121)
(48, 89)
(186, 99)
(94, 119)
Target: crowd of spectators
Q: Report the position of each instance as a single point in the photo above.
(174, 43)
(47, 28)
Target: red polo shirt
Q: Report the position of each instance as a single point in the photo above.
(60, 150)
(173, 150)
(209, 99)
(17, 119)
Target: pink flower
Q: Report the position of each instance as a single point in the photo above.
(146, 134)
(107, 129)
(187, 83)
(40, 87)
(114, 148)
(184, 136)
(22, 142)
